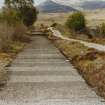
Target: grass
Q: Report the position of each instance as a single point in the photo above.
(12, 41)
(17, 46)
(81, 36)
(93, 18)
(6, 59)
(13, 38)
(64, 30)
(49, 18)
(71, 48)
(90, 63)
(92, 67)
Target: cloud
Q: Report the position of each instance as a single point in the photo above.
(73, 2)
(1, 3)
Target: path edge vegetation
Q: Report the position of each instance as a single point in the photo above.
(75, 27)
(16, 18)
(89, 62)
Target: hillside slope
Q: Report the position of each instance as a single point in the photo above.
(83, 4)
(53, 7)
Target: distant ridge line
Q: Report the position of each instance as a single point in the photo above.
(53, 7)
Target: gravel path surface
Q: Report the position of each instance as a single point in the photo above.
(41, 75)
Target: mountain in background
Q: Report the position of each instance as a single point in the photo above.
(93, 5)
(83, 4)
(50, 6)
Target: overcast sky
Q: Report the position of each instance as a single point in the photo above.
(61, 1)
(73, 2)
(66, 1)
(36, 2)
(1, 3)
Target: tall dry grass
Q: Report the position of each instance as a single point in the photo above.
(19, 32)
(9, 34)
(6, 34)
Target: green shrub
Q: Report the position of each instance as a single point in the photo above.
(76, 21)
(54, 25)
(24, 9)
(29, 15)
(12, 25)
(10, 16)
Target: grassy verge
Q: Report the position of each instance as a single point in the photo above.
(81, 36)
(12, 41)
(7, 57)
(89, 62)
(13, 30)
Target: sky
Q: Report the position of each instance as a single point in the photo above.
(61, 1)
(66, 1)
(36, 2)
(73, 2)
(1, 3)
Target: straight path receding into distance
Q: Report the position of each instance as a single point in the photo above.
(41, 75)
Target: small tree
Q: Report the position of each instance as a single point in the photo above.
(10, 16)
(25, 10)
(29, 15)
(76, 21)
